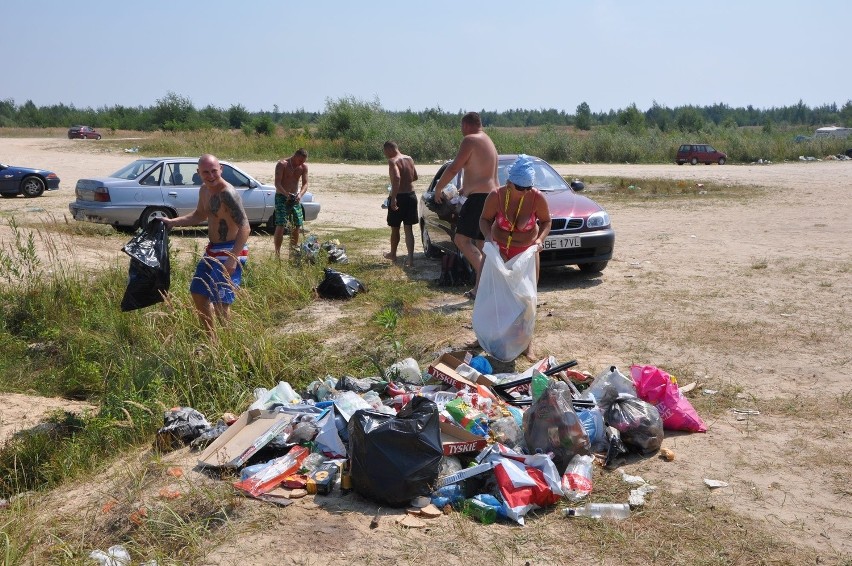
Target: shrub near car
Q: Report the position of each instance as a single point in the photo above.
(695, 153)
(157, 187)
(25, 181)
(580, 233)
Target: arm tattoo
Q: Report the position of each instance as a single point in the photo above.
(236, 208)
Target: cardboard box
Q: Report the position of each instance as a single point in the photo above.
(456, 440)
(251, 432)
(444, 368)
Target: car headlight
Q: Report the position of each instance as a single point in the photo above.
(599, 219)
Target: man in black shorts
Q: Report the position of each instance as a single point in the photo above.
(402, 204)
(477, 157)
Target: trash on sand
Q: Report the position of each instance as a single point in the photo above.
(744, 414)
(115, 555)
(395, 440)
(715, 484)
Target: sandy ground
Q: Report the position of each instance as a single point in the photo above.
(752, 293)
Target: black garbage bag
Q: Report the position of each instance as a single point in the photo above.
(338, 285)
(149, 276)
(181, 425)
(638, 423)
(205, 438)
(394, 459)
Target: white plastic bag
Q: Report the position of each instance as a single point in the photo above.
(282, 393)
(504, 311)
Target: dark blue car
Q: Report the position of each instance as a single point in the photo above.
(31, 183)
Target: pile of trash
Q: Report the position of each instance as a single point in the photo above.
(454, 436)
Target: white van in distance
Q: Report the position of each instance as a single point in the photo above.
(832, 132)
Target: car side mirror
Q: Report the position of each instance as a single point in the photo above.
(252, 184)
(578, 185)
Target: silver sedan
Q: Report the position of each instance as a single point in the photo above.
(168, 186)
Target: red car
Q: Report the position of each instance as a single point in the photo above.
(696, 153)
(83, 133)
(580, 235)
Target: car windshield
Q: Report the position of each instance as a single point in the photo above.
(546, 178)
(133, 170)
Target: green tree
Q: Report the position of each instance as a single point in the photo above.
(237, 116)
(174, 112)
(583, 121)
(846, 114)
(688, 119)
(632, 119)
(350, 118)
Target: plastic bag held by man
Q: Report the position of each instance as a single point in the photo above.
(659, 389)
(551, 425)
(394, 459)
(149, 276)
(504, 311)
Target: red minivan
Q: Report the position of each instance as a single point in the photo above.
(696, 153)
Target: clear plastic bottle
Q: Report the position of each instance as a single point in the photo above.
(600, 511)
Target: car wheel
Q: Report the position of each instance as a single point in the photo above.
(594, 267)
(32, 187)
(428, 249)
(97, 137)
(693, 161)
(680, 162)
(153, 212)
(721, 161)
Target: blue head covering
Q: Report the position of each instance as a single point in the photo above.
(521, 172)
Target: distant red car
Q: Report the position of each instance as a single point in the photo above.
(83, 133)
(696, 153)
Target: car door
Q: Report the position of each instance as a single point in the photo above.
(439, 219)
(8, 183)
(180, 186)
(258, 201)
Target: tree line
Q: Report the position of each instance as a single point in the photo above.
(175, 112)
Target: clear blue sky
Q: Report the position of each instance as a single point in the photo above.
(456, 55)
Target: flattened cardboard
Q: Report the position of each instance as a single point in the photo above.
(251, 432)
(456, 440)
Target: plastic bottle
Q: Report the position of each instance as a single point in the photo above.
(452, 494)
(480, 510)
(577, 479)
(600, 511)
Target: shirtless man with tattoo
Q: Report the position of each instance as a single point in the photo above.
(220, 270)
(477, 157)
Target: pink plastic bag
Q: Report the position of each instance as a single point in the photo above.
(659, 389)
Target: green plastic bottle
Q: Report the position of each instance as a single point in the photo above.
(482, 512)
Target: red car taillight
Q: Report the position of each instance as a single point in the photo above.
(52, 176)
(102, 194)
